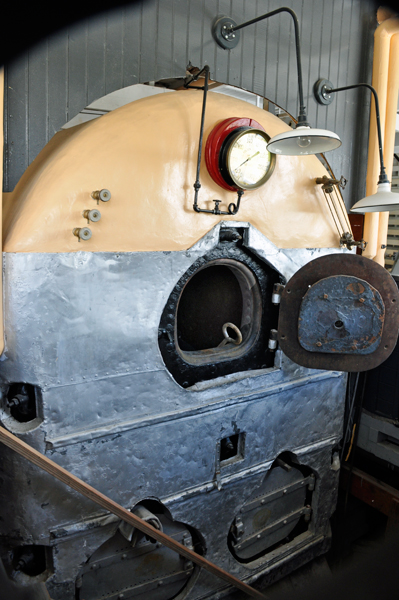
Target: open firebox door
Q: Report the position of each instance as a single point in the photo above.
(339, 312)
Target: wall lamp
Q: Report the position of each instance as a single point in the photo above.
(303, 139)
(383, 199)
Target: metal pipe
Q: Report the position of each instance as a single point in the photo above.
(232, 208)
(302, 118)
(197, 183)
(383, 176)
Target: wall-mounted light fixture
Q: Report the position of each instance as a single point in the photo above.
(383, 199)
(303, 139)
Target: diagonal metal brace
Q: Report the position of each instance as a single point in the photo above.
(100, 499)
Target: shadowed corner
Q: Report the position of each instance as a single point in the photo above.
(14, 591)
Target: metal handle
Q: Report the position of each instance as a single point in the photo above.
(227, 339)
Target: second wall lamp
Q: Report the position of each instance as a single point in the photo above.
(303, 139)
(383, 199)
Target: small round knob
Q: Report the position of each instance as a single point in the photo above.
(92, 215)
(103, 195)
(82, 233)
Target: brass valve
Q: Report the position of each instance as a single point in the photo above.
(103, 195)
(82, 233)
(92, 215)
(327, 183)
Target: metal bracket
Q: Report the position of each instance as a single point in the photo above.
(278, 289)
(238, 529)
(348, 240)
(321, 91)
(223, 34)
(187, 541)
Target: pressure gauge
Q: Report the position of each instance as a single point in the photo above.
(236, 155)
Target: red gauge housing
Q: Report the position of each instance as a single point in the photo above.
(214, 145)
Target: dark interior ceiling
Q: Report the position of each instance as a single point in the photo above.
(28, 22)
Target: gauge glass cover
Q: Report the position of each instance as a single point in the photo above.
(248, 161)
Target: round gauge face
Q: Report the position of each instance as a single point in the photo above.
(248, 162)
(236, 154)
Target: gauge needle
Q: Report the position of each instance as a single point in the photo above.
(250, 158)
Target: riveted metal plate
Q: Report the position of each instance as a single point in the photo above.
(271, 515)
(119, 569)
(341, 314)
(362, 272)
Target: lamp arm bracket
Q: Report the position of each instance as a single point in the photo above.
(323, 90)
(225, 32)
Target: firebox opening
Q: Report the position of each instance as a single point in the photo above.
(210, 299)
(218, 317)
(219, 312)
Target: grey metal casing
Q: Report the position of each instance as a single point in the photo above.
(83, 327)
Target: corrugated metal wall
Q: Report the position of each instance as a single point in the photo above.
(156, 39)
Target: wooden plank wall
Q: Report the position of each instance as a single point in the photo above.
(157, 38)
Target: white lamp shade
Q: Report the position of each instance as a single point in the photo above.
(304, 140)
(383, 200)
